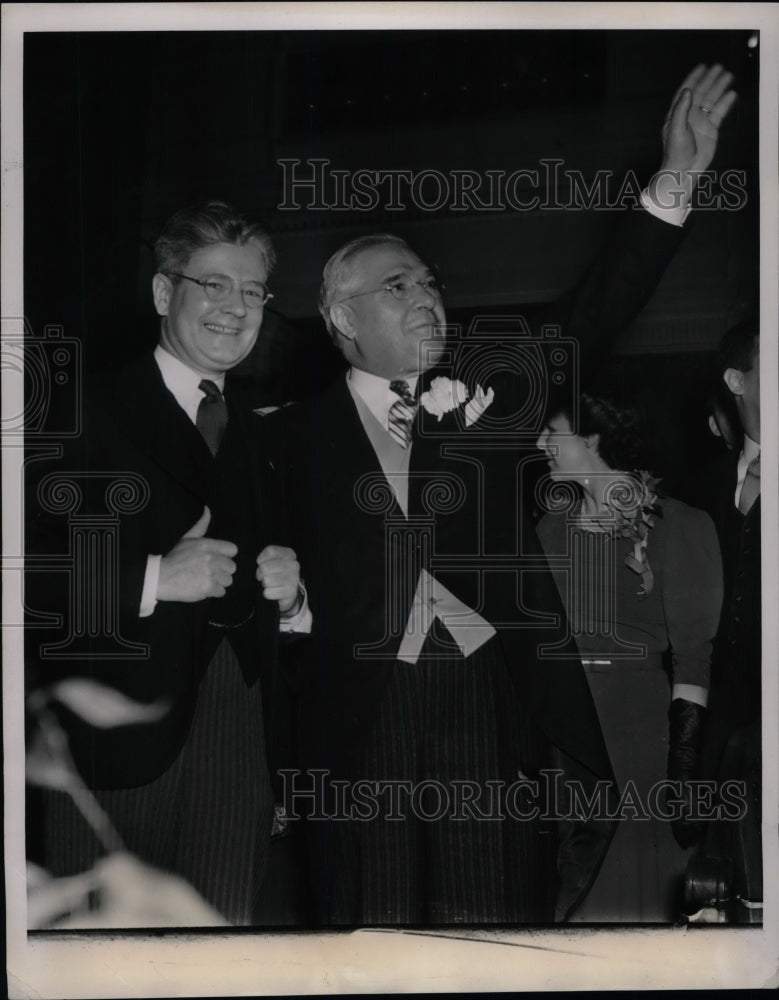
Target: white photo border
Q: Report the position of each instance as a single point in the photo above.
(238, 963)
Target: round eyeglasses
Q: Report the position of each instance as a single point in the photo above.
(402, 288)
(219, 288)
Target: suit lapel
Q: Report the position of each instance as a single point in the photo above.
(729, 514)
(346, 447)
(241, 423)
(150, 415)
(428, 436)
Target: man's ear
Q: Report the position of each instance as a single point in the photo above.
(734, 380)
(341, 318)
(162, 288)
(714, 426)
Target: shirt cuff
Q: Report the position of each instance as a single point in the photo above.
(691, 692)
(150, 580)
(302, 620)
(670, 199)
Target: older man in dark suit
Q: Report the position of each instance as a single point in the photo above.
(440, 696)
(188, 791)
(406, 689)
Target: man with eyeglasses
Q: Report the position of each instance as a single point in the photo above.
(429, 726)
(203, 581)
(420, 765)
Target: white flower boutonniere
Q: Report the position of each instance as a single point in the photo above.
(444, 395)
(481, 400)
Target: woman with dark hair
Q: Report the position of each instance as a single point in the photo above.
(641, 579)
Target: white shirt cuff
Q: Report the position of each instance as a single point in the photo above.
(670, 199)
(302, 620)
(690, 692)
(150, 581)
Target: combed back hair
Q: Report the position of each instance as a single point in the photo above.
(338, 271)
(739, 347)
(610, 407)
(198, 226)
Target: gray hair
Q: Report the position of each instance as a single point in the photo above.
(198, 226)
(338, 271)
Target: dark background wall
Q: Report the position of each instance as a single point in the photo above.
(121, 129)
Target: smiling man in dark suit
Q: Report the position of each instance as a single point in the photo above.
(189, 792)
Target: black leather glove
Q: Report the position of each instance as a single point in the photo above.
(685, 732)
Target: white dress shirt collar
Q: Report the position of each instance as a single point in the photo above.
(183, 382)
(375, 392)
(749, 453)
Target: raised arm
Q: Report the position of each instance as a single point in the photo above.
(624, 275)
(690, 135)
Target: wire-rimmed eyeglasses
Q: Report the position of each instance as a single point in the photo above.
(402, 287)
(219, 288)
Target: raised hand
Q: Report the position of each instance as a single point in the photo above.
(279, 573)
(691, 128)
(197, 567)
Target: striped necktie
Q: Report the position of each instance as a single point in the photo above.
(751, 488)
(211, 415)
(402, 413)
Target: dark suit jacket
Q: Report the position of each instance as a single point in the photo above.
(618, 283)
(347, 546)
(362, 558)
(736, 665)
(134, 425)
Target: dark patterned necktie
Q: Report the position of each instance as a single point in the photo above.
(211, 415)
(402, 413)
(751, 488)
